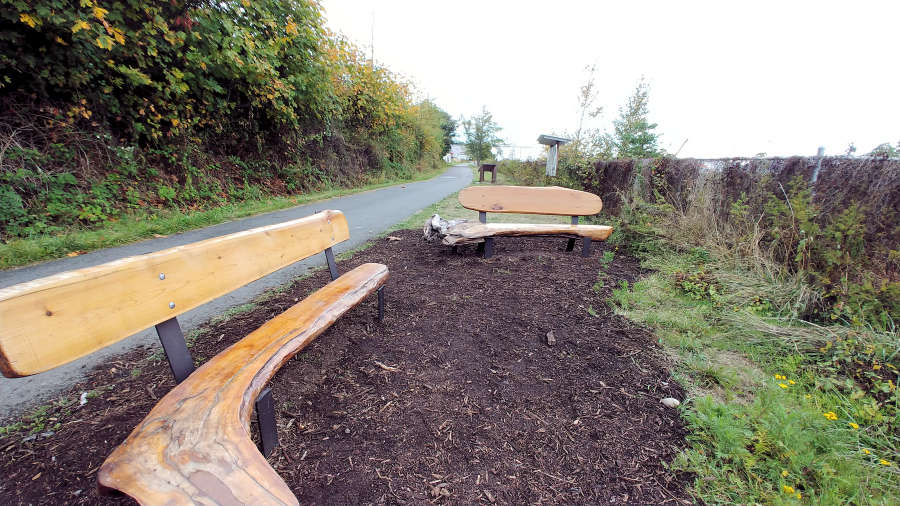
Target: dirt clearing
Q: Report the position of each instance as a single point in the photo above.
(456, 398)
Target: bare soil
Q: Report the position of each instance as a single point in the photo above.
(455, 398)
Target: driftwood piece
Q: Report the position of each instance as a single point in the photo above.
(194, 447)
(456, 232)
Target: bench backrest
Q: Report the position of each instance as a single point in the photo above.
(51, 321)
(530, 200)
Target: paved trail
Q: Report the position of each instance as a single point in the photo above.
(368, 213)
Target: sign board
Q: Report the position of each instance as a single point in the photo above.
(552, 155)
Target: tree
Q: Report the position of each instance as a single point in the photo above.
(886, 151)
(481, 135)
(633, 134)
(448, 125)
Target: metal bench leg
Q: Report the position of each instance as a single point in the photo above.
(488, 245)
(381, 304)
(586, 247)
(176, 349)
(332, 266)
(265, 415)
(571, 244)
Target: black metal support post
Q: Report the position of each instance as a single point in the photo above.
(173, 344)
(571, 244)
(586, 247)
(488, 245)
(381, 304)
(265, 415)
(332, 266)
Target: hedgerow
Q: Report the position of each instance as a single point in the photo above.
(107, 107)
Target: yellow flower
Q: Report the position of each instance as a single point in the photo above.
(792, 382)
(830, 415)
(799, 495)
(779, 377)
(782, 385)
(866, 451)
(291, 28)
(855, 426)
(80, 25)
(99, 12)
(788, 489)
(784, 473)
(875, 366)
(884, 462)
(27, 19)
(807, 396)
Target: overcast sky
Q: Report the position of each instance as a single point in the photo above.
(734, 80)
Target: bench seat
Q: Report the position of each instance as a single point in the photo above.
(548, 200)
(194, 446)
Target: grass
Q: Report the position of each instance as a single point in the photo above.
(143, 225)
(774, 416)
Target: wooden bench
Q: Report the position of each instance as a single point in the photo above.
(548, 200)
(194, 446)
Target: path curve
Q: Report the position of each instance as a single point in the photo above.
(368, 213)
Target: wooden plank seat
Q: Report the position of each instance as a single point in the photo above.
(54, 320)
(195, 444)
(547, 200)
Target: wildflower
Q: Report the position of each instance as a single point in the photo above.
(855, 426)
(782, 385)
(779, 377)
(866, 451)
(808, 396)
(788, 489)
(830, 415)
(792, 382)
(884, 462)
(784, 473)
(799, 495)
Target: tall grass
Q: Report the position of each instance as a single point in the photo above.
(780, 409)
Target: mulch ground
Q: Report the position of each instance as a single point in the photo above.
(455, 398)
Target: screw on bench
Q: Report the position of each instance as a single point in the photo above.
(265, 415)
(571, 244)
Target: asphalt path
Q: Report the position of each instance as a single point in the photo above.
(368, 214)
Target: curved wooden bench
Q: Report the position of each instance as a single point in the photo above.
(195, 446)
(550, 200)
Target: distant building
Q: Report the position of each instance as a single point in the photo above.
(457, 153)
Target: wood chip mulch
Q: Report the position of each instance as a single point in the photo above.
(457, 398)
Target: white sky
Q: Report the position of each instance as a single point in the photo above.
(735, 80)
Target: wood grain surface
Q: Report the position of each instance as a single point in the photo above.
(468, 232)
(530, 200)
(50, 321)
(194, 446)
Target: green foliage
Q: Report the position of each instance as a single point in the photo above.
(209, 104)
(773, 409)
(633, 134)
(481, 136)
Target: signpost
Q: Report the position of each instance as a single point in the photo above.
(553, 155)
